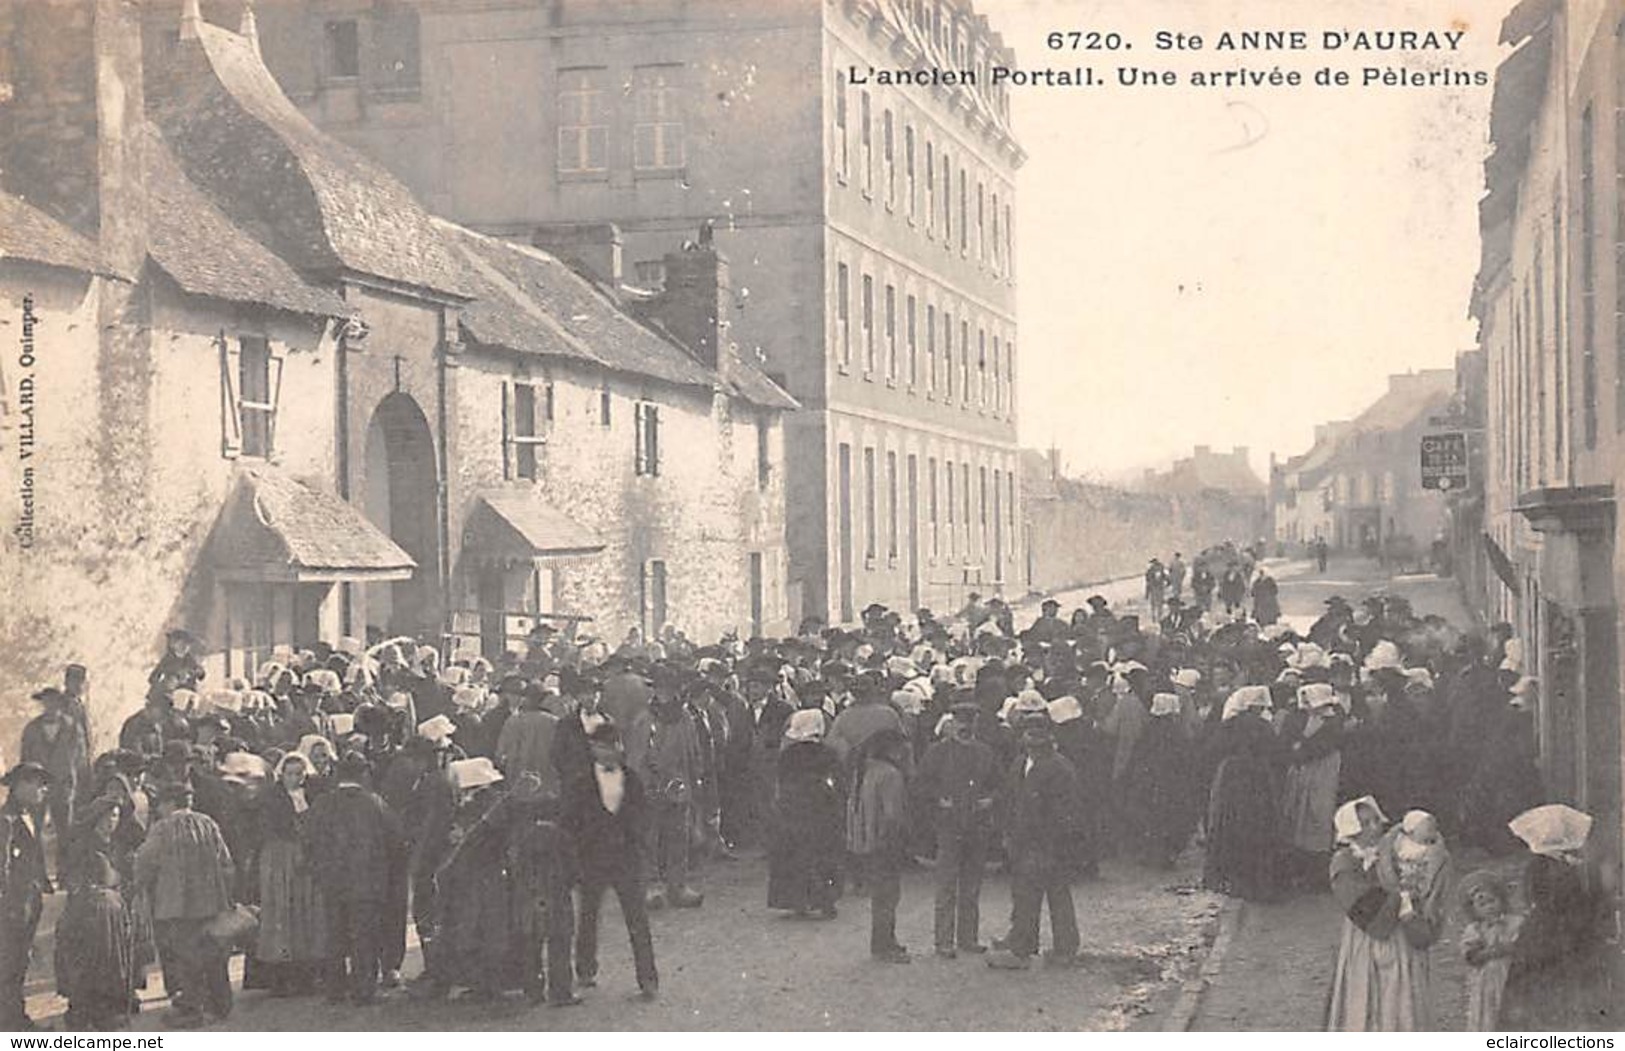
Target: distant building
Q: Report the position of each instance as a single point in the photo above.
(870, 228)
(1550, 303)
(1205, 471)
(272, 400)
(1359, 487)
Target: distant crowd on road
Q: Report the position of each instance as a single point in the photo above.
(344, 794)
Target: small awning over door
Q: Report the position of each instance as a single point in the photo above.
(277, 529)
(517, 528)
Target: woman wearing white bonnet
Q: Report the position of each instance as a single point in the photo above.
(1559, 979)
(806, 847)
(1241, 810)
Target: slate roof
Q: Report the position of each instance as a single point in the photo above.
(1410, 398)
(280, 525)
(309, 198)
(524, 525)
(29, 234)
(207, 255)
(528, 301)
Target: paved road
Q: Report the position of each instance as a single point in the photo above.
(1273, 967)
(733, 965)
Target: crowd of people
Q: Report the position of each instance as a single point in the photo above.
(303, 816)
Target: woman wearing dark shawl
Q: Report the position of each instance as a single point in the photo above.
(292, 938)
(804, 857)
(1241, 818)
(1558, 979)
(95, 938)
(1161, 811)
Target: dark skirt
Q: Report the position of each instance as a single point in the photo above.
(1240, 830)
(95, 957)
(808, 834)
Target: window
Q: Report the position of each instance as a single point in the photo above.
(258, 381)
(964, 500)
(998, 390)
(909, 187)
(931, 504)
(912, 337)
(869, 506)
(888, 158)
(1588, 276)
(646, 459)
(843, 314)
(1560, 365)
(948, 470)
(981, 498)
(998, 248)
(930, 190)
(891, 333)
(964, 362)
(1009, 244)
(868, 325)
(653, 586)
(947, 200)
(891, 507)
(981, 223)
(981, 367)
(964, 212)
(650, 273)
(605, 403)
(930, 351)
(1010, 379)
(657, 130)
(584, 124)
(397, 64)
(343, 52)
(842, 141)
(1010, 507)
(522, 408)
(948, 356)
(764, 464)
(866, 146)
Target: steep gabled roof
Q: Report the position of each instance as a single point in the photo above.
(206, 254)
(1409, 399)
(530, 302)
(29, 234)
(308, 197)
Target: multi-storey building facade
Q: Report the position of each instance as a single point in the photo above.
(269, 399)
(1550, 302)
(870, 228)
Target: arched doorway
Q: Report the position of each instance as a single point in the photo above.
(401, 498)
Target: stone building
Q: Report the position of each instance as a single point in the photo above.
(869, 227)
(1550, 303)
(1360, 486)
(269, 398)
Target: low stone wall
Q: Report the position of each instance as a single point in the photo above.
(1081, 534)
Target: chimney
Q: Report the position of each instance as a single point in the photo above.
(592, 248)
(1240, 453)
(1203, 451)
(67, 131)
(249, 29)
(696, 302)
(1054, 464)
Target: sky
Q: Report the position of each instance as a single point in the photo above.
(1231, 266)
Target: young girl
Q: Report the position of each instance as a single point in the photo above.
(1486, 944)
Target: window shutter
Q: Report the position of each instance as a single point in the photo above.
(276, 404)
(507, 430)
(654, 439)
(639, 465)
(231, 419)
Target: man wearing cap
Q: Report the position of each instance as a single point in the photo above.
(23, 885)
(54, 740)
(1040, 791)
(185, 870)
(179, 664)
(525, 743)
(664, 748)
(355, 842)
(957, 780)
(1049, 627)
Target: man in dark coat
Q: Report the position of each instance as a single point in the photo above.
(23, 885)
(605, 812)
(1041, 789)
(957, 780)
(354, 842)
(179, 665)
(54, 739)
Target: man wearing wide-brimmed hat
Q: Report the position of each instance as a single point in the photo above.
(23, 885)
(54, 740)
(355, 839)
